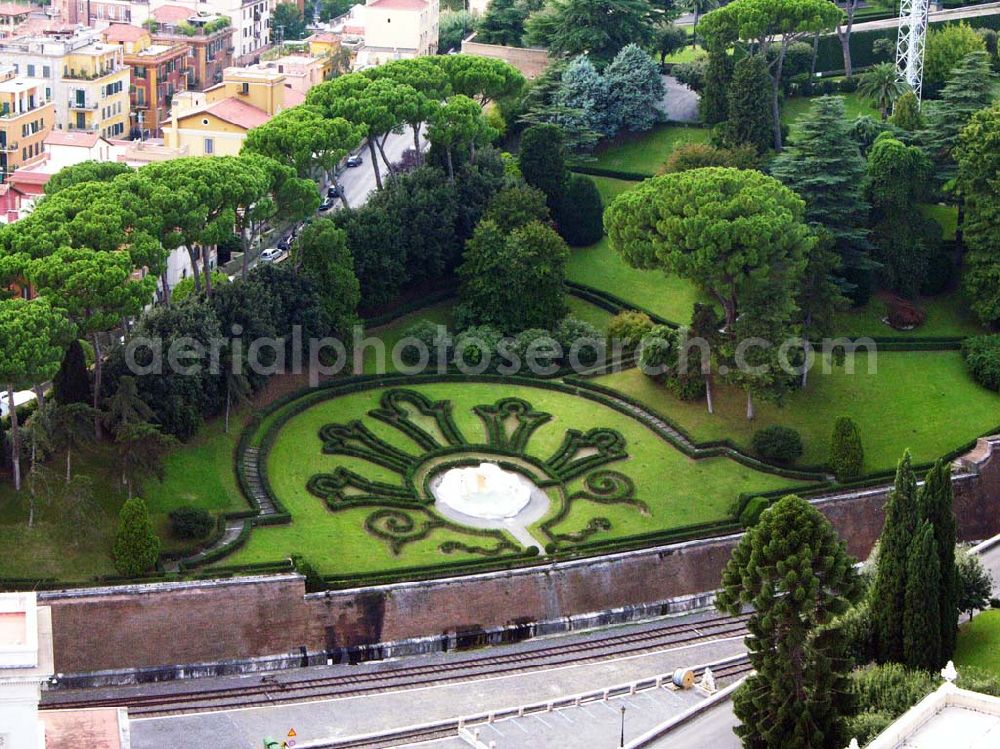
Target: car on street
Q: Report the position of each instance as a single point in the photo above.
(270, 255)
(354, 160)
(285, 242)
(334, 191)
(325, 205)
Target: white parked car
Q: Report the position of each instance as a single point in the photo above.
(20, 398)
(270, 255)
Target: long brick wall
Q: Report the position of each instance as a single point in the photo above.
(232, 620)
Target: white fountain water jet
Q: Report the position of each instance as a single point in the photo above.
(485, 491)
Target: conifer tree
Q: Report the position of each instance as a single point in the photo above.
(921, 617)
(635, 87)
(72, 382)
(137, 546)
(936, 499)
(795, 573)
(750, 115)
(584, 90)
(847, 455)
(714, 103)
(969, 89)
(901, 515)
(824, 167)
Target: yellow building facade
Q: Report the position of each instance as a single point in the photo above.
(26, 117)
(86, 79)
(215, 122)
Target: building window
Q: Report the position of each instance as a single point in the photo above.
(31, 71)
(209, 146)
(46, 72)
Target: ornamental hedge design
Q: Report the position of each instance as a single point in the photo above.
(404, 512)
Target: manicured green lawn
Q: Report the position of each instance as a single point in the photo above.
(588, 312)
(945, 215)
(854, 106)
(601, 267)
(645, 153)
(687, 54)
(679, 491)
(979, 642)
(57, 545)
(611, 188)
(947, 315)
(925, 401)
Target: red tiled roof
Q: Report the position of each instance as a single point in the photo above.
(325, 36)
(74, 138)
(29, 182)
(399, 4)
(238, 113)
(13, 9)
(172, 13)
(354, 30)
(123, 32)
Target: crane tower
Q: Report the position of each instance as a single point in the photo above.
(910, 42)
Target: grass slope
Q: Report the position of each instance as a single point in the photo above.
(644, 153)
(979, 642)
(921, 400)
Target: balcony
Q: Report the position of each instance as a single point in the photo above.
(10, 147)
(85, 129)
(77, 104)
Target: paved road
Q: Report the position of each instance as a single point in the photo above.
(713, 728)
(991, 561)
(359, 182)
(679, 103)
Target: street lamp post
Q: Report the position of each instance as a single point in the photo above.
(621, 742)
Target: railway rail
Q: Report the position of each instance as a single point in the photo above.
(271, 689)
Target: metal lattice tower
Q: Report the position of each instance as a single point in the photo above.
(910, 42)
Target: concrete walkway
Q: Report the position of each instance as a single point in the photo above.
(679, 103)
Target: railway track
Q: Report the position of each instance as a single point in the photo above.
(724, 671)
(272, 689)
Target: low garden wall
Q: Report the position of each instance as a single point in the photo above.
(531, 61)
(234, 623)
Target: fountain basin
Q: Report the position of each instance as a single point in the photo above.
(486, 491)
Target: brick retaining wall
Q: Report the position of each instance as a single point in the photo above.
(229, 620)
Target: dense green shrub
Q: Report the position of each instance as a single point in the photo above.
(858, 628)
(778, 443)
(752, 511)
(476, 344)
(137, 546)
(431, 337)
(658, 351)
(539, 344)
(978, 680)
(190, 523)
(887, 690)
(940, 272)
(581, 212)
(513, 207)
(847, 455)
(982, 358)
(72, 382)
(542, 159)
(627, 328)
(580, 340)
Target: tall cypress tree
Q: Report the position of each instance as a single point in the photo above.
(714, 103)
(750, 115)
(795, 573)
(921, 617)
(936, 500)
(824, 167)
(901, 515)
(72, 382)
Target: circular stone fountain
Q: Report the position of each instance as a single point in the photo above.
(485, 491)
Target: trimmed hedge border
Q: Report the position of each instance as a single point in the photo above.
(280, 413)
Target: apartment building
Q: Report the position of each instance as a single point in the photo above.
(26, 117)
(86, 79)
(398, 29)
(158, 71)
(12, 17)
(215, 122)
(211, 42)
